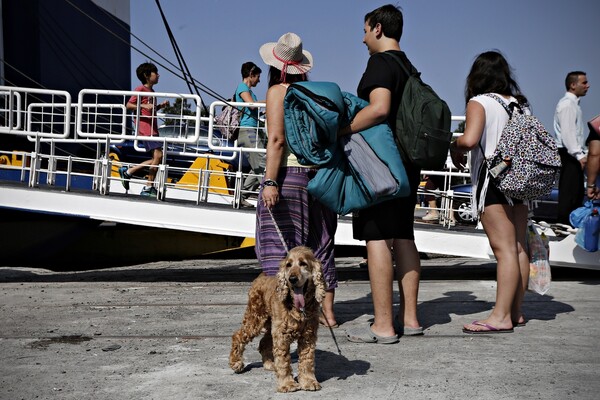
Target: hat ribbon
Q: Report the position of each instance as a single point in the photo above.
(285, 65)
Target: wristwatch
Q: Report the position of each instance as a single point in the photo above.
(270, 182)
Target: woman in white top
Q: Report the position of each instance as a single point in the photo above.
(504, 220)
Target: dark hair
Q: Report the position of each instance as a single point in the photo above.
(572, 77)
(144, 70)
(249, 68)
(491, 73)
(390, 18)
(275, 77)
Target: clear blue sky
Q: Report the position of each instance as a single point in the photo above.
(542, 40)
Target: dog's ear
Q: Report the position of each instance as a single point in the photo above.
(283, 290)
(317, 277)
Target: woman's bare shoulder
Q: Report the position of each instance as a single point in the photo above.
(276, 92)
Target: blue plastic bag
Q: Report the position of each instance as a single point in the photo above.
(579, 214)
(588, 232)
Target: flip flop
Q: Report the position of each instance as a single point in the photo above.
(519, 324)
(488, 329)
(364, 334)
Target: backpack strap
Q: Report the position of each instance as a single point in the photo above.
(508, 108)
(399, 61)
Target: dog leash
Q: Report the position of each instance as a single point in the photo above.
(287, 250)
(320, 308)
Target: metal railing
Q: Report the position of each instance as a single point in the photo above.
(100, 122)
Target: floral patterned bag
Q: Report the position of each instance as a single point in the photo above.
(526, 161)
(228, 121)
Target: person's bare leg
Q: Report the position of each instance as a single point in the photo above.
(327, 306)
(381, 278)
(408, 270)
(500, 229)
(132, 170)
(156, 159)
(520, 218)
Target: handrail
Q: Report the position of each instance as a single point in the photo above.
(101, 119)
(87, 114)
(213, 114)
(23, 117)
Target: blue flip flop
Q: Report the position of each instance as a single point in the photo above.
(364, 334)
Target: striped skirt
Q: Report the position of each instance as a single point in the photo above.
(302, 221)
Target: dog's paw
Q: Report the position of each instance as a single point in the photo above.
(288, 387)
(310, 385)
(237, 366)
(269, 365)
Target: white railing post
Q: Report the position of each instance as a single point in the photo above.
(205, 183)
(69, 170)
(51, 173)
(161, 179)
(26, 160)
(104, 175)
(97, 174)
(199, 190)
(34, 169)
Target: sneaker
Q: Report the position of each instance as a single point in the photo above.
(149, 192)
(431, 216)
(125, 177)
(245, 203)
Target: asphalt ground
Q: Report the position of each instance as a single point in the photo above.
(163, 331)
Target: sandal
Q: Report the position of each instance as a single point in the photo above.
(364, 334)
(406, 330)
(485, 329)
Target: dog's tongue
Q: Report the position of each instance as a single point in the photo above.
(298, 298)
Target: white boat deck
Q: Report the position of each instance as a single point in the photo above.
(43, 180)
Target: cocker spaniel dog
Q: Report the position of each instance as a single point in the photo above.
(286, 308)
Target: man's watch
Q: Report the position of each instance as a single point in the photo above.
(270, 182)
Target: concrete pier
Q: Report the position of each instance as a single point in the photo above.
(163, 331)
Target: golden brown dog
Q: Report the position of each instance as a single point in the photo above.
(286, 306)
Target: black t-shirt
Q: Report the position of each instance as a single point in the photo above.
(592, 136)
(383, 71)
(393, 218)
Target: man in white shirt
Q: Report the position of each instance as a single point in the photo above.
(568, 126)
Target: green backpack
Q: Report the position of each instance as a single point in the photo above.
(422, 123)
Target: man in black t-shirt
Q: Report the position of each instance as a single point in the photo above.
(387, 227)
(593, 164)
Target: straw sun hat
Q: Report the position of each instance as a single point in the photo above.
(287, 55)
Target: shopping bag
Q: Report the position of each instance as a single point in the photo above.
(539, 266)
(588, 232)
(579, 214)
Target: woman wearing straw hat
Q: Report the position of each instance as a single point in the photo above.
(287, 212)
